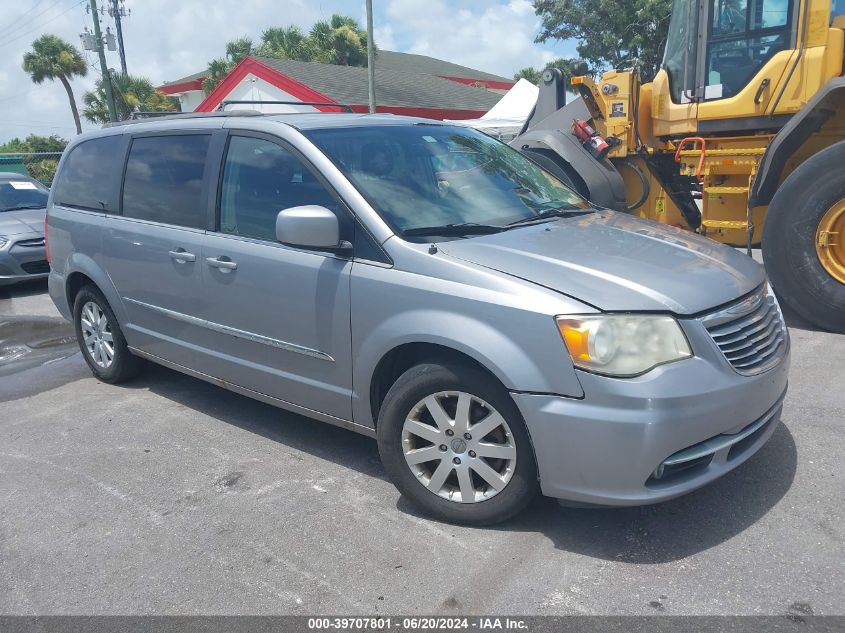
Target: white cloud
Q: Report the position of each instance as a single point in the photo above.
(492, 36)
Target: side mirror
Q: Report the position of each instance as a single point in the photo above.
(309, 226)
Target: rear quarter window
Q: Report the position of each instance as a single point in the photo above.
(90, 175)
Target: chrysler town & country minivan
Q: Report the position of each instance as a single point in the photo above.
(426, 285)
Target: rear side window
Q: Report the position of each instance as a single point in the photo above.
(164, 178)
(89, 175)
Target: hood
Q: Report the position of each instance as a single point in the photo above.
(617, 262)
(23, 221)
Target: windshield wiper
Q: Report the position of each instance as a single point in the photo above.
(559, 212)
(448, 230)
(24, 206)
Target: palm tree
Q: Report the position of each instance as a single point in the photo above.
(339, 41)
(285, 43)
(53, 58)
(238, 48)
(218, 68)
(131, 94)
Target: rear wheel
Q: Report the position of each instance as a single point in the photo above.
(804, 240)
(101, 339)
(454, 443)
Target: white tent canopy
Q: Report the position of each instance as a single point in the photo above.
(508, 115)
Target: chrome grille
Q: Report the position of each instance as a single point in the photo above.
(33, 243)
(751, 333)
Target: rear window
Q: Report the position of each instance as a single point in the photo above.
(164, 176)
(89, 175)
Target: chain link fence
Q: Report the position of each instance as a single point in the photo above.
(39, 165)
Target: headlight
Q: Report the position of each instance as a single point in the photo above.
(3, 241)
(623, 344)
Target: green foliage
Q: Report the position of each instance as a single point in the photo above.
(39, 167)
(34, 143)
(131, 94)
(218, 68)
(53, 58)
(239, 48)
(285, 43)
(610, 33)
(533, 74)
(338, 40)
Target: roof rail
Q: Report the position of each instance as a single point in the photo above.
(144, 117)
(342, 106)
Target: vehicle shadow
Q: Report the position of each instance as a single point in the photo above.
(678, 528)
(322, 440)
(642, 535)
(23, 289)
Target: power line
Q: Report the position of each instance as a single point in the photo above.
(15, 25)
(55, 17)
(18, 25)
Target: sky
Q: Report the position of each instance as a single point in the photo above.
(167, 39)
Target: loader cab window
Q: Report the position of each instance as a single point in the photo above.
(679, 57)
(744, 35)
(837, 9)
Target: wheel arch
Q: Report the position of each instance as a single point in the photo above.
(437, 335)
(826, 105)
(402, 357)
(80, 270)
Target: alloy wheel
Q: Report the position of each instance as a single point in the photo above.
(459, 447)
(97, 335)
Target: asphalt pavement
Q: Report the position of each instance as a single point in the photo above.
(168, 495)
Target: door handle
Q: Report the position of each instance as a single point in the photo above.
(225, 265)
(182, 256)
(763, 85)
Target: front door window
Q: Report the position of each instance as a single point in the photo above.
(744, 35)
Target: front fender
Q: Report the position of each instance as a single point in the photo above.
(528, 364)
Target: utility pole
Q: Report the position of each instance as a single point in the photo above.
(104, 69)
(371, 57)
(117, 11)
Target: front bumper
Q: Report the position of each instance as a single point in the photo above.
(23, 259)
(608, 448)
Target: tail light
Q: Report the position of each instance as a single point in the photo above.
(46, 242)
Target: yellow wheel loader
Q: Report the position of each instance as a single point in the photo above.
(739, 137)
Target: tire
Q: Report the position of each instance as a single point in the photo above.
(509, 454)
(120, 364)
(789, 239)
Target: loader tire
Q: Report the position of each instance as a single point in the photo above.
(791, 233)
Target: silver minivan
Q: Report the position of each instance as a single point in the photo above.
(428, 286)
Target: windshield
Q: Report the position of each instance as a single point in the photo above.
(22, 193)
(679, 57)
(420, 176)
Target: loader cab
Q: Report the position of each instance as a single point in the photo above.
(726, 63)
(716, 47)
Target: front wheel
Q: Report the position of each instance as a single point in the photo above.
(454, 443)
(804, 239)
